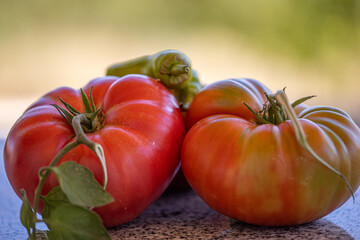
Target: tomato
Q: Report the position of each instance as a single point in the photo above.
(141, 133)
(259, 173)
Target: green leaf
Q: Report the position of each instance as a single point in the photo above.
(71, 222)
(26, 212)
(80, 186)
(55, 195)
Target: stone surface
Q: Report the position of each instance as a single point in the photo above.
(183, 215)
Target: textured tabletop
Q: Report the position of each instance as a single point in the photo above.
(183, 215)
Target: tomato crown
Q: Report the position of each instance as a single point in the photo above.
(94, 118)
(280, 110)
(273, 112)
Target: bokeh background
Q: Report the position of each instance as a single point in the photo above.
(310, 47)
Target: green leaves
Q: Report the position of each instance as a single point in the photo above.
(70, 222)
(55, 195)
(80, 186)
(67, 207)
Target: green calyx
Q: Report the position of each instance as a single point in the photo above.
(273, 112)
(94, 118)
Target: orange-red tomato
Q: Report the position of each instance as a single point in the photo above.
(259, 173)
(141, 136)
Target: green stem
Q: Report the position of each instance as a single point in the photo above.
(135, 66)
(274, 109)
(81, 138)
(256, 115)
(300, 135)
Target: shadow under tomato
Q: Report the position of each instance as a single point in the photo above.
(178, 184)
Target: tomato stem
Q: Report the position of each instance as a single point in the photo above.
(300, 135)
(273, 112)
(256, 115)
(81, 138)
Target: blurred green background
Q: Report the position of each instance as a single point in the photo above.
(309, 46)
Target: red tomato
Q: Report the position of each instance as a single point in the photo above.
(141, 136)
(259, 173)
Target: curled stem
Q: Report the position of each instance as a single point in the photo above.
(179, 69)
(81, 138)
(300, 135)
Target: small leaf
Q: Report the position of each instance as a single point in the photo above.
(80, 186)
(56, 194)
(26, 212)
(71, 222)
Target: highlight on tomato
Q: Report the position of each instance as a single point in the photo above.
(132, 124)
(253, 156)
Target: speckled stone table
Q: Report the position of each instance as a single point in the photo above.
(183, 215)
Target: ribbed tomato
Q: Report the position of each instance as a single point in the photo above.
(253, 167)
(140, 129)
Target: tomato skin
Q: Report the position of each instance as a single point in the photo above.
(227, 97)
(260, 174)
(141, 137)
